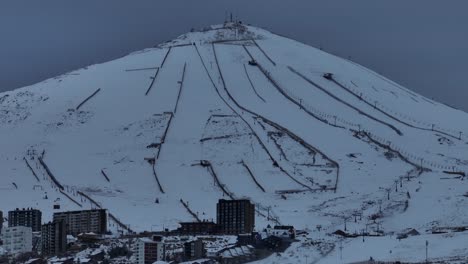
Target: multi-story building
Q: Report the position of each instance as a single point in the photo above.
(235, 216)
(197, 228)
(17, 239)
(26, 217)
(85, 221)
(194, 249)
(149, 251)
(54, 238)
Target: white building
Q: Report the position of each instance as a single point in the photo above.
(284, 232)
(17, 239)
(149, 251)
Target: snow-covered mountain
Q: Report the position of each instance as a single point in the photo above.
(234, 111)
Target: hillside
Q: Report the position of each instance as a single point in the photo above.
(190, 121)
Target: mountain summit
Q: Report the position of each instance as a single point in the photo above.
(233, 111)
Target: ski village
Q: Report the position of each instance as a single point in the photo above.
(231, 144)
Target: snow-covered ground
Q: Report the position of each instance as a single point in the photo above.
(320, 152)
(442, 247)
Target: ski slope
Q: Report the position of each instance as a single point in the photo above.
(158, 136)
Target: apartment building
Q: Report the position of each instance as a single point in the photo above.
(194, 249)
(54, 238)
(85, 221)
(26, 217)
(197, 228)
(17, 239)
(149, 251)
(235, 216)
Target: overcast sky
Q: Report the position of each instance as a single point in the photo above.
(422, 44)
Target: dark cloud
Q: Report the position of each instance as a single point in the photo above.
(420, 44)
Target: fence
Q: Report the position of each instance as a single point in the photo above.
(105, 175)
(87, 98)
(111, 216)
(30, 168)
(313, 112)
(186, 206)
(396, 115)
(156, 177)
(252, 85)
(264, 53)
(52, 177)
(165, 57)
(163, 138)
(345, 103)
(253, 114)
(252, 176)
(181, 84)
(153, 79)
(413, 159)
(218, 182)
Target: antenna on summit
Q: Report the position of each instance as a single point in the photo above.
(231, 17)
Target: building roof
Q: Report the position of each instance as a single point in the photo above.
(197, 223)
(232, 201)
(79, 211)
(148, 240)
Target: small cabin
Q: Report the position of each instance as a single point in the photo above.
(205, 163)
(252, 62)
(328, 76)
